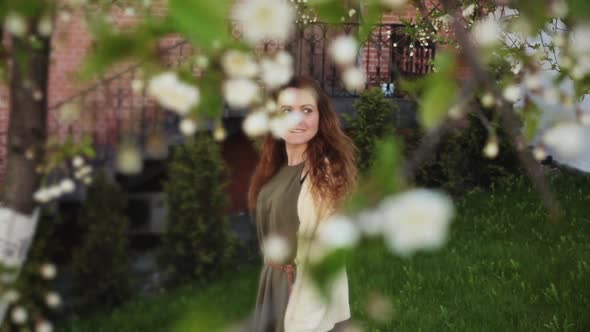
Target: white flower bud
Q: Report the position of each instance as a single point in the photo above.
(48, 271)
(491, 148)
(188, 127)
(53, 300)
(256, 124)
(19, 315)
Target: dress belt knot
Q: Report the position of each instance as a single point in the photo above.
(288, 268)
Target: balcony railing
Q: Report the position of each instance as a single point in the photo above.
(386, 55)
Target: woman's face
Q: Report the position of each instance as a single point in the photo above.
(304, 101)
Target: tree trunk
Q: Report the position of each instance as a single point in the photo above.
(27, 130)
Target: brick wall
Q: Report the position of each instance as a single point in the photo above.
(376, 59)
(71, 41)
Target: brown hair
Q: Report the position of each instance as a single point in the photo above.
(329, 154)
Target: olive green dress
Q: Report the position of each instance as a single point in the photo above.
(276, 213)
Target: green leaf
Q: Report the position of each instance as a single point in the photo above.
(372, 16)
(383, 178)
(203, 22)
(440, 91)
(211, 105)
(329, 11)
(579, 9)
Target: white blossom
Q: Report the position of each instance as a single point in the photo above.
(394, 3)
(456, 112)
(276, 249)
(287, 96)
(566, 138)
(42, 196)
(202, 61)
(265, 19)
(281, 124)
(580, 43)
(37, 95)
(171, 93)
(344, 50)
(19, 315)
(338, 231)
(54, 192)
(45, 26)
(219, 133)
(539, 153)
(16, 24)
(65, 16)
(239, 64)
(278, 71)
(488, 100)
(240, 92)
(83, 171)
(491, 149)
(533, 81)
(370, 222)
(581, 69)
(445, 19)
(53, 300)
(512, 93)
(137, 85)
(67, 186)
(469, 10)
(129, 11)
(69, 112)
(516, 68)
(48, 271)
(417, 219)
(44, 326)
(188, 127)
(354, 79)
(128, 159)
(486, 31)
(558, 8)
(78, 161)
(256, 124)
(270, 105)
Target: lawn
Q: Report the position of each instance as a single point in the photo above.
(505, 268)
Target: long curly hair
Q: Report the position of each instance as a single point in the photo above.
(330, 154)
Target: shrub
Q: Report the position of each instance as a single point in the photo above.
(100, 264)
(197, 243)
(374, 120)
(458, 163)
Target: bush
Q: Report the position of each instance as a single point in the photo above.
(374, 120)
(197, 243)
(101, 263)
(459, 165)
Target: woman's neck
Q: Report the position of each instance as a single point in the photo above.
(295, 153)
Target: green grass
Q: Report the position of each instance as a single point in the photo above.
(505, 268)
(228, 297)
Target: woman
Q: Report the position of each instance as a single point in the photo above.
(300, 180)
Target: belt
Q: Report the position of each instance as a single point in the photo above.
(289, 268)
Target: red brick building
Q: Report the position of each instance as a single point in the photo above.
(107, 119)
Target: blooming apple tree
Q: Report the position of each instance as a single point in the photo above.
(515, 58)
